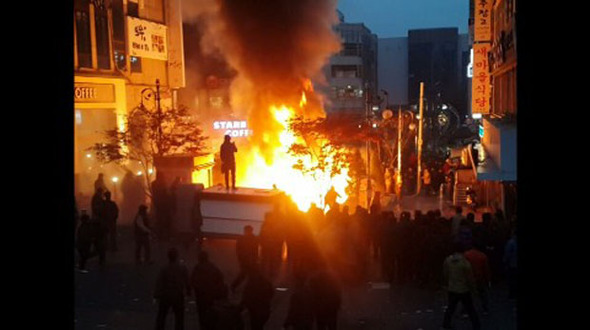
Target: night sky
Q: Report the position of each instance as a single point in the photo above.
(393, 18)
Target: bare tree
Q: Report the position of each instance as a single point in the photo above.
(149, 134)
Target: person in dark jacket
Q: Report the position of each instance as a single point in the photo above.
(111, 214)
(299, 314)
(99, 183)
(271, 242)
(171, 286)
(97, 204)
(84, 241)
(326, 299)
(228, 161)
(256, 298)
(207, 282)
(247, 253)
(143, 233)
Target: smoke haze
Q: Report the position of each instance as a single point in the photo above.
(274, 45)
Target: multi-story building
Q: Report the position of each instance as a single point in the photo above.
(427, 62)
(353, 71)
(121, 47)
(438, 58)
(495, 166)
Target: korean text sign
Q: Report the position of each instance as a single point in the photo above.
(147, 39)
(483, 20)
(480, 93)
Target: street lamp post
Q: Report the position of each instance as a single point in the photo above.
(419, 173)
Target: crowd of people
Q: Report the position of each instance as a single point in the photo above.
(328, 251)
(321, 252)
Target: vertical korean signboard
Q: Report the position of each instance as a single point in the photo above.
(147, 39)
(483, 21)
(480, 93)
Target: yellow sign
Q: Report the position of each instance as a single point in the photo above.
(483, 20)
(480, 92)
(94, 93)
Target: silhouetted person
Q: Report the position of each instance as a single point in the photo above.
(459, 283)
(99, 183)
(228, 161)
(207, 282)
(326, 299)
(84, 238)
(510, 262)
(111, 213)
(99, 238)
(142, 232)
(330, 198)
(300, 313)
(247, 253)
(271, 242)
(456, 222)
(256, 298)
(171, 286)
(481, 273)
(97, 204)
(133, 196)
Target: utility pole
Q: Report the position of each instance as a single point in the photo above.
(159, 116)
(368, 144)
(399, 181)
(419, 173)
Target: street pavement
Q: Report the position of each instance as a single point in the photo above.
(120, 295)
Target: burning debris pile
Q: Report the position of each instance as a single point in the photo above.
(276, 47)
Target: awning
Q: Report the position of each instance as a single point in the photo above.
(489, 171)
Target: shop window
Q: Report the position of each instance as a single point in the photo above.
(82, 20)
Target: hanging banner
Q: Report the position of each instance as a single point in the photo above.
(483, 20)
(147, 39)
(480, 92)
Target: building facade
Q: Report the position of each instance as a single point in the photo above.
(353, 71)
(121, 47)
(394, 61)
(495, 168)
(393, 69)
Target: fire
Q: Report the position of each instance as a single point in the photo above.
(303, 188)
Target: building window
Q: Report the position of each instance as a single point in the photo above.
(135, 64)
(133, 8)
(153, 10)
(119, 35)
(102, 34)
(345, 71)
(351, 49)
(82, 19)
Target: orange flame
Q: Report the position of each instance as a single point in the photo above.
(303, 188)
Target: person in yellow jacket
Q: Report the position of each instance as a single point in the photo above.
(426, 180)
(459, 283)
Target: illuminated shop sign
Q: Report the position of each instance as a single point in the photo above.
(233, 128)
(94, 93)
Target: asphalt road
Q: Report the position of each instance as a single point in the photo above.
(120, 296)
